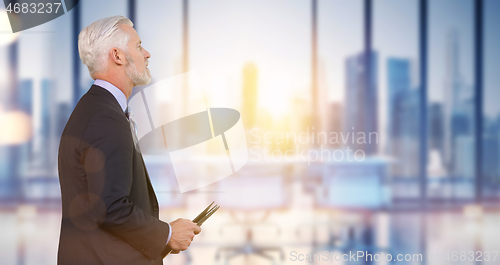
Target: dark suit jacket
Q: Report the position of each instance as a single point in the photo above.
(109, 208)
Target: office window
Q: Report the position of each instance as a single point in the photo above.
(340, 37)
(491, 93)
(264, 58)
(451, 166)
(395, 43)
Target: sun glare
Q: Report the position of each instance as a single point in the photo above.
(274, 95)
(6, 35)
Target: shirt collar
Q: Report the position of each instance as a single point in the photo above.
(116, 92)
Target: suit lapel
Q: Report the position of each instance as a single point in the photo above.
(150, 186)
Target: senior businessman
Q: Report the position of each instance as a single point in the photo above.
(109, 208)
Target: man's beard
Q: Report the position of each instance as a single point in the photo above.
(139, 79)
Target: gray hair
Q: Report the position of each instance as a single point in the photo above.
(95, 41)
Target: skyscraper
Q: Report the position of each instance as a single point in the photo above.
(250, 95)
(458, 114)
(436, 127)
(334, 120)
(398, 83)
(7, 184)
(63, 113)
(25, 96)
(324, 112)
(403, 118)
(44, 147)
(361, 108)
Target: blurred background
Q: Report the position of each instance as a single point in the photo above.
(418, 78)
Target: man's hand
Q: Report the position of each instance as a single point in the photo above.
(183, 232)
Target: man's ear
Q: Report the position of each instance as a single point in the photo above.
(117, 56)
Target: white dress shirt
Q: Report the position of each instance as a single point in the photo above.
(116, 92)
(122, 100)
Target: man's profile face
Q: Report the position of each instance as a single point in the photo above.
(137, 59)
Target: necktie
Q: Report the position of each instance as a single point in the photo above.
(133, 127)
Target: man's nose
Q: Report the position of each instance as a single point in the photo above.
(147, 55)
